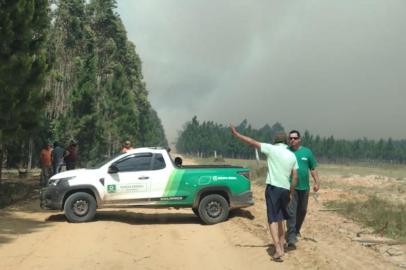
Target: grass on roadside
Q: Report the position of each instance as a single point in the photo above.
(384, 217)
(396, 171)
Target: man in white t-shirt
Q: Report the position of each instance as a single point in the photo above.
(282, 165)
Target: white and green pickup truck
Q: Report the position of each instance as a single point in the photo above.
(148, 177)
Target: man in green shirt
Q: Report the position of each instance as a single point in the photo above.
(282, 166)
(298, 205)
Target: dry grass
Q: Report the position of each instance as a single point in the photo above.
(395, 171)
(384, 217)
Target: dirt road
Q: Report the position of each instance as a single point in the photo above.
(31, 238)
(125, 239)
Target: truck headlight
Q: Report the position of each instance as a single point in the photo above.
(57, 181)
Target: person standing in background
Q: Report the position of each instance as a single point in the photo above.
(71, 155)
(57, 158)
(298, 205)
(46, 164)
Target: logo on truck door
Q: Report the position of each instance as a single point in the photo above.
(111, 188)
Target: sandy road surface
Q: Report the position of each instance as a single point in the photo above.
(31, 238)
(126, 239)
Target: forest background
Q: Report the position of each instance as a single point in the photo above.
(203, 139)
(69, 72)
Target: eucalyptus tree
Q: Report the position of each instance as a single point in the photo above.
(100, 99)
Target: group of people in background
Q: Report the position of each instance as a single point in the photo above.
(287, 186)
(53, 158)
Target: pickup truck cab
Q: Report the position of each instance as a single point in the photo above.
(148, 177)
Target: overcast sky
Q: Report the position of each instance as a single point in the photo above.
(332, 67)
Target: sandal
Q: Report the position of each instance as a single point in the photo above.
(276, 258)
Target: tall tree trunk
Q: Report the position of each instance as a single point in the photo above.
(1, 159)
(30, 149)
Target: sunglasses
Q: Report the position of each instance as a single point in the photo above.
(294, 138)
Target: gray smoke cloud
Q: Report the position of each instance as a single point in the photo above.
(331, 67)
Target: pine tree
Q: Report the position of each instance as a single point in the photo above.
(23, 67)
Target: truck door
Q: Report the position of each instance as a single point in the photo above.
(129, 179)
(160, 175)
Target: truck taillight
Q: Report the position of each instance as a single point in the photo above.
(246, 174)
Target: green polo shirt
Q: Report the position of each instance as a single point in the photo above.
(281, 162)
(306, 162)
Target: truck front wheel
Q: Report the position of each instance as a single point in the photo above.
(213, 209)
(80, 207)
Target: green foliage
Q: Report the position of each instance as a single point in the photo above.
(342, 151)
(24, 64)
(101, 100)
(93, 92)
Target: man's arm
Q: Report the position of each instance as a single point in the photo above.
(316, 180)
(245, 139)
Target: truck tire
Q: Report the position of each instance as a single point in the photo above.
(80, 207)
(213, 209)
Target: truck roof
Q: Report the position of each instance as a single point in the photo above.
(143, 149)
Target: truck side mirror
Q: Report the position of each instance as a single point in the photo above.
(113, 169)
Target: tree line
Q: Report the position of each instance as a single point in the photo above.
(207, 137)
(69, 72)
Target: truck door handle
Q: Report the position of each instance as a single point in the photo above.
(143, 177)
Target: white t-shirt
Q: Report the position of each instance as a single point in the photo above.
(281, 161)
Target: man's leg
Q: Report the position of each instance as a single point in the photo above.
(291, 222)
(48, 175)
(60, 167)
(54, 168)
(303, 199)
(273, 228)
(281, 234)
(43, 176)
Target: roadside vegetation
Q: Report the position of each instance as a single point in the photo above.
(396, 171)
(384, 217)
(16, 186)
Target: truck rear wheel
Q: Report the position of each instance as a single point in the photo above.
(80, 207)
(213, 209)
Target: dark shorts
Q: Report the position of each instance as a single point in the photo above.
(277, 200)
